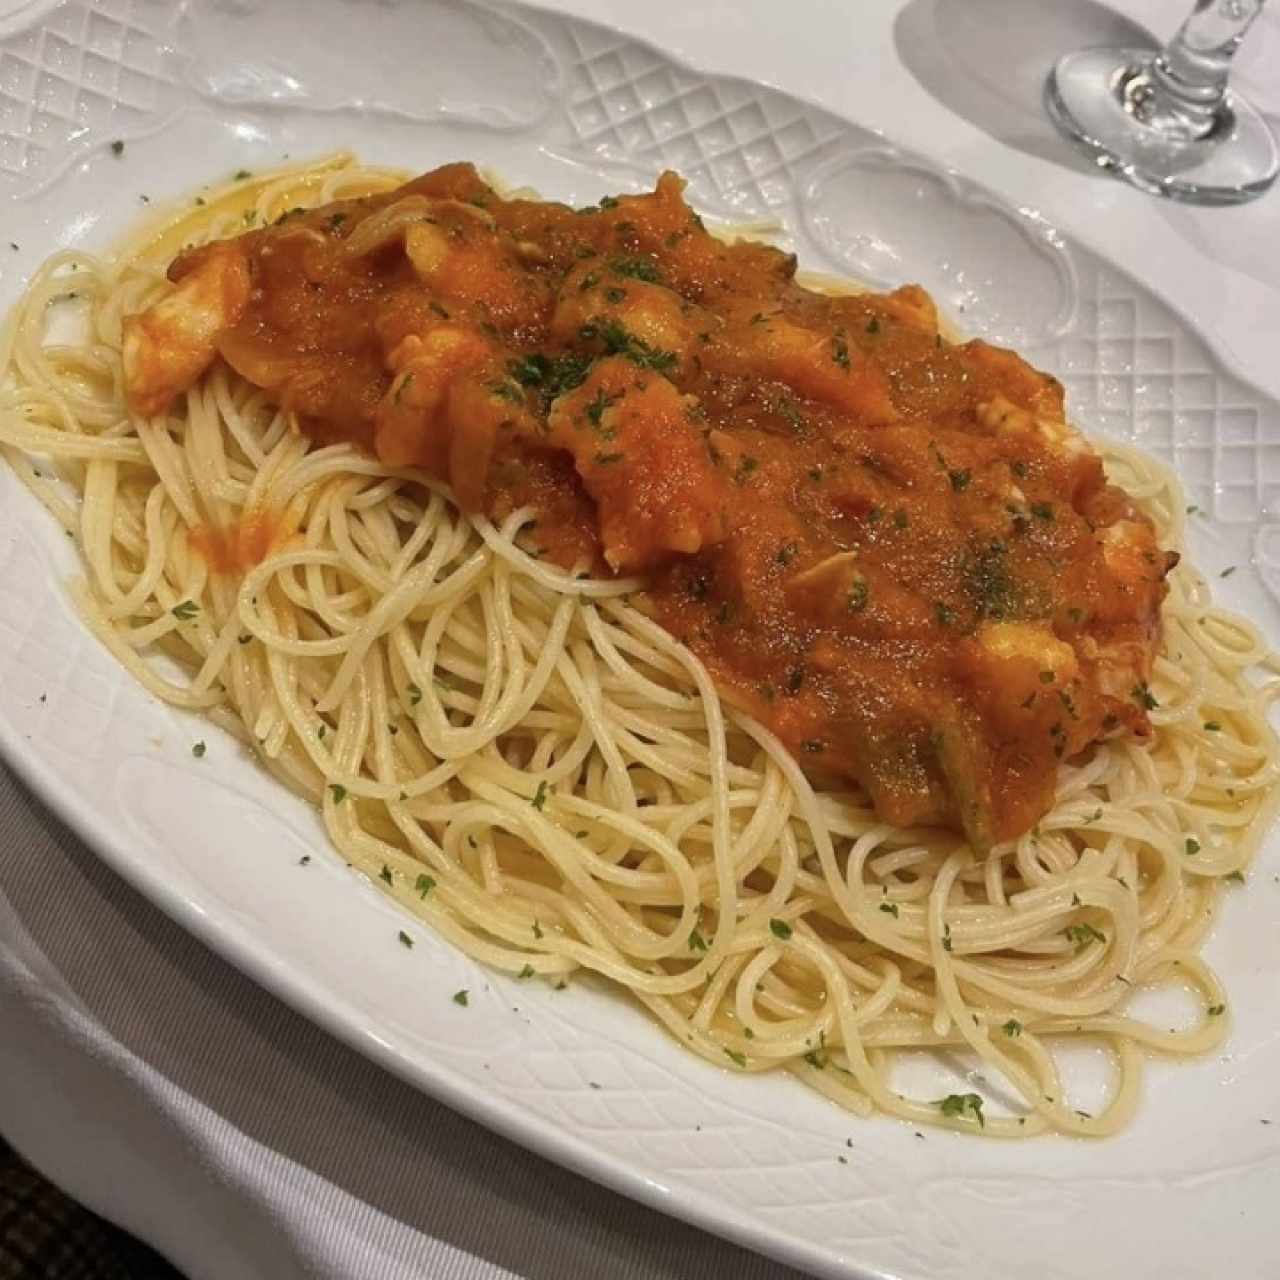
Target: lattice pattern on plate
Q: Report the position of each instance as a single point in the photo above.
(745, 144)
(1134, 371)
(90, 73)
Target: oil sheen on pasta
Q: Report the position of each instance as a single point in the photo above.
(889, 548)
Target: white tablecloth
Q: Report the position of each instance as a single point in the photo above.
(167, 1092)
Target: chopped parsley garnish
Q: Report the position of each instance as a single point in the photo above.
(788, 408)
(539, 797)
(1216, 1010)
(814, 746)
(636, 269)
(873, 325)
(461, 997)
(890, 908)
(608, 459)
(1236, 877)
(1228, 571)
(415, 695)
(1012, 1028)
(338, 791)
(595, 410)
(618, 342)
(1192, 846)
(697, 942)
(385, 874)
(185, 611)
(423, 885)
(552, 375)
(944, 613)
(526, 972)
(1047, 677)
(859, 594)
(1143, 696)
(198, 750)
(1083, 935)
(946, 937)
(1042, 511)
(1212, 726)
(958, 1105)
(815, 1060)
(900, 518)
(989, 582)
(787, 553)
(117, 148)
(780, 929)
(739, 1059)
(405, 940)
(959, 480)
(840, 352)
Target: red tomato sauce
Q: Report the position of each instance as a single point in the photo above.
(887, 546)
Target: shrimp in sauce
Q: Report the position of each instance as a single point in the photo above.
(890, 548)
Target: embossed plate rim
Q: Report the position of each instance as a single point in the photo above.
(227, 935)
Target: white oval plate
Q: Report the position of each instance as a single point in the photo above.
(199, 90)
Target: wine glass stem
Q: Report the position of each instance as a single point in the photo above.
(1188, 78)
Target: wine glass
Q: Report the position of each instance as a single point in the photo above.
(1166, 120)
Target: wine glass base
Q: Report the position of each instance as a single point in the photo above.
(1088, 95)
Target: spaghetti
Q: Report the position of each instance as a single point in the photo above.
(525, 760)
